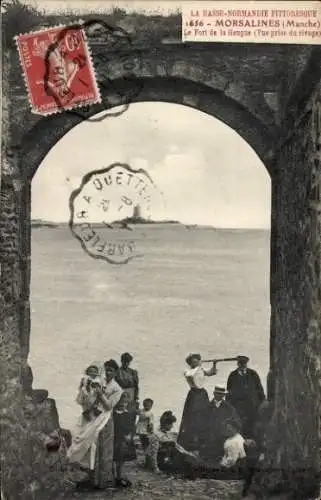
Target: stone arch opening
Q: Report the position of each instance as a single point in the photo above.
(224, 176)
(47, 131)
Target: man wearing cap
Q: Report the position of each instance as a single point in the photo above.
(245, 393)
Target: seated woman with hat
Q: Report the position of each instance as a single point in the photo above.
(162, 443)
(163, 454)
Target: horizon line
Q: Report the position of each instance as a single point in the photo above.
(257, 228)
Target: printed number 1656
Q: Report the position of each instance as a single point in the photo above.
(195, 23)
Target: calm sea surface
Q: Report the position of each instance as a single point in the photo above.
(195, 290)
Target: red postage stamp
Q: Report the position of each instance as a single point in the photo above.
(58, 69)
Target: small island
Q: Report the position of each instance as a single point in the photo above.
(35, 223)
(135, 219)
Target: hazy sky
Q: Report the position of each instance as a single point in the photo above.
(207, 173)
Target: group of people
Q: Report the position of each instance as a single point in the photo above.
(242, 399)
(103, 438)
(220, 431)
(213, 435)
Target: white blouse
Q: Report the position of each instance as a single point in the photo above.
(233, 450)
(195, 377)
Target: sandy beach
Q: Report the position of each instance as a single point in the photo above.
(150, 486)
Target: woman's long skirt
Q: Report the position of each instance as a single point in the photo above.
(103, 473)
(194, 415)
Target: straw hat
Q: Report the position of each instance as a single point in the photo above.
(218, 389)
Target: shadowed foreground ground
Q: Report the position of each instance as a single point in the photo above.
(152, 486)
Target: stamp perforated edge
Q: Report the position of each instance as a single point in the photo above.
(33, 110)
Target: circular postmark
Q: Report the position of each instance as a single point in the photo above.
(110, 210)
(113, 54)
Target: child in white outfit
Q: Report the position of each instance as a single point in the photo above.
(145, 425)
(88, 391)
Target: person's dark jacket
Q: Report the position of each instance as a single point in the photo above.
(216, 431)
(245, 392)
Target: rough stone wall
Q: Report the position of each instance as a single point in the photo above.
(293, 439)
(10, 278)
(227, 71)
(27, 470)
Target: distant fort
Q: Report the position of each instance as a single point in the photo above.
(137, 218)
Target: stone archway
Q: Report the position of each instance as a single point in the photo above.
(217, 103)
(47, 132)
(293, 440)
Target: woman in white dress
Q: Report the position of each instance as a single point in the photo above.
(92, 446)
(196, 403)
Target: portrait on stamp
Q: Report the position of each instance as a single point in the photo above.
(57, 69)
(160, 230)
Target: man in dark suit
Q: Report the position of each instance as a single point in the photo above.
(221, 421)
(245, 394)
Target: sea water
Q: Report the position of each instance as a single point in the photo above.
(192, 290)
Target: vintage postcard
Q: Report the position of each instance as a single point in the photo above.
(160, 250)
